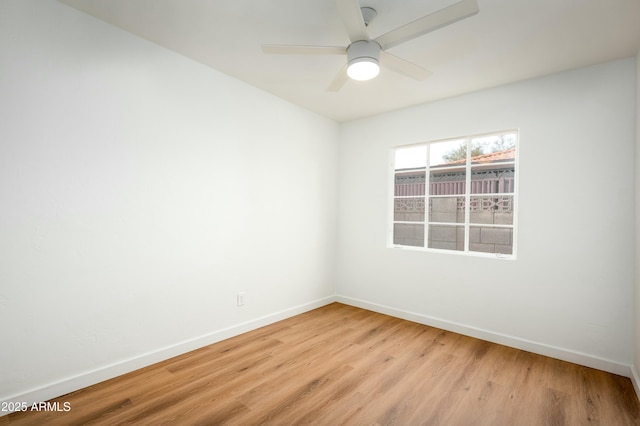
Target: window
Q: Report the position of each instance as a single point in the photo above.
(457, 195)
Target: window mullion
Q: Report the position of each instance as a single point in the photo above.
(467, 199)
(427, 172)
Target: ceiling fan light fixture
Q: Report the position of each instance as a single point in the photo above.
(363, 60)
(363, 69)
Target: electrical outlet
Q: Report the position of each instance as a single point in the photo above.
(241, 298)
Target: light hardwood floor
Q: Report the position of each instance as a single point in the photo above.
(343, 365)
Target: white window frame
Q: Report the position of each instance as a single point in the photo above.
(467, 195)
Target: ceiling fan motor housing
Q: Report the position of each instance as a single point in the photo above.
(363, 50)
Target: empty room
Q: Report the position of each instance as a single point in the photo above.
(320, 212)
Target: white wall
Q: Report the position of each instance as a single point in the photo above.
(636, 362)
(569, 293)
(140, 191)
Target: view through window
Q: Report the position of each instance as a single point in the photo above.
(457, 195)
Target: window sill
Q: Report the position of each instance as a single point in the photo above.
(458, 253)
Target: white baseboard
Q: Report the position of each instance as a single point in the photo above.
(502, 339)
(88, 378)
(635, 379)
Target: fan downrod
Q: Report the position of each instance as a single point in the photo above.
(368, 13)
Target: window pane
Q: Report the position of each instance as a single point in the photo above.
(411, 158)
(493, 149)
(447, 182)
(449, 153)
(491, 210)
(408, 209)
(493, 180)
(487, 239)
(409, 184)
(446, 237)
(408, 234)
(446, 209)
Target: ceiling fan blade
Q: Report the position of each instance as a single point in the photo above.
(282, 49)
(352, 19)
(431, 22)
(403, 67)
(339, 81)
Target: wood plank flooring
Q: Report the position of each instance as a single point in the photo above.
(343, 365)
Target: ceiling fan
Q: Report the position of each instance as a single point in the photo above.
(364, 55)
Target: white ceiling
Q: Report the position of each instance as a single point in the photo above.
(509, 40)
